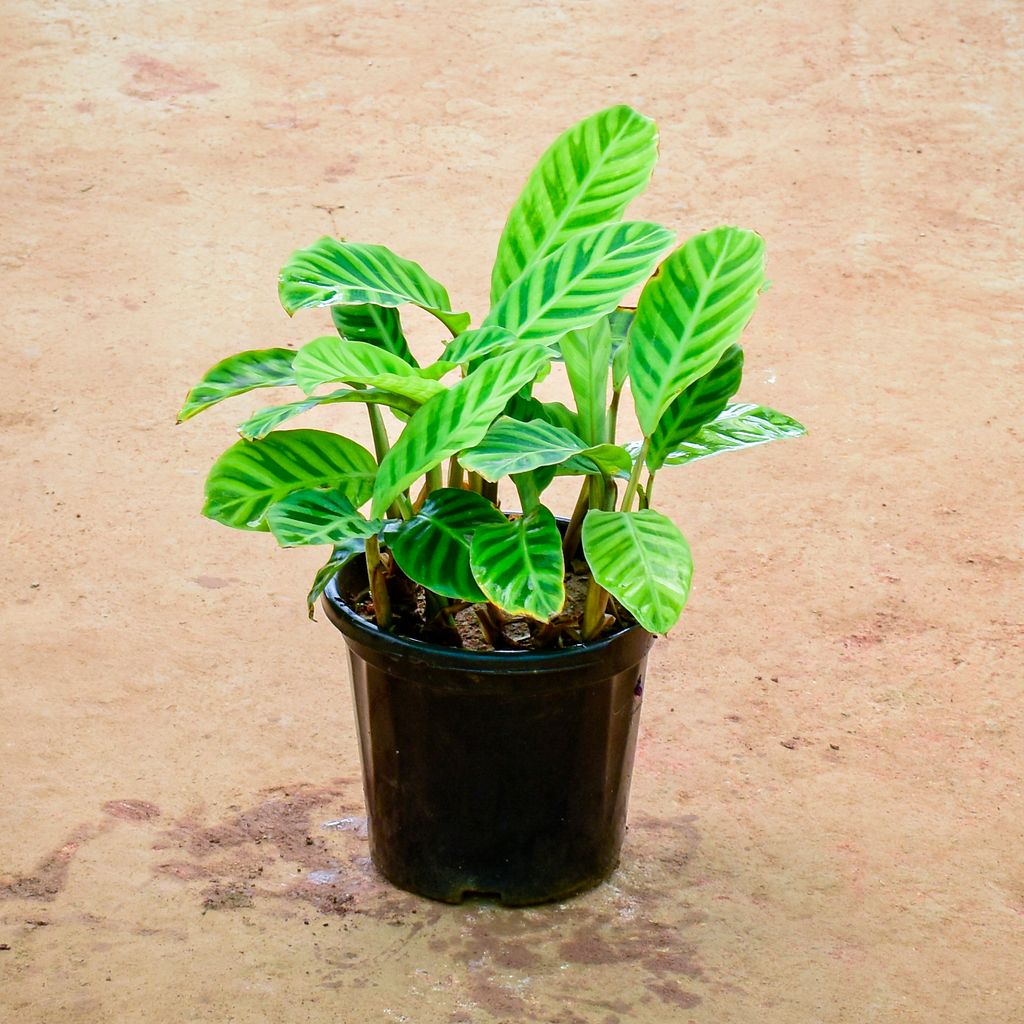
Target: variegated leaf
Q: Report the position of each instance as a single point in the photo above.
(518, 564)
(585, 179)
(579, 282)
(251, 476)
(738, 426)
(453, 420)
(480, 342)
(265, 420)
(342, 554)
(335, 273)
(699, 403)
(328, 360)
(619, 322)
(512, 447)
(587, 356)
(376, 325)
(317, 517)
(689, 313)
(643, 561)
(246, 371)
(432, 547)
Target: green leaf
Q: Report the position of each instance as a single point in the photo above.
(700, 403)
(737, 426)
(579, 282)
(246, 371)
(336, 273)
(511, 446)
(610, 459)
(343, 554)
(619, 321)
(585, 179)
(251, 476)
(689, 313)
(529, 408)
(453, 420)
(643, 561)
(473, 344)
(518, 564)
(317, 517)
(587, 355)
(376, 325)
(432, 548)
(327, 360)
(265, 420)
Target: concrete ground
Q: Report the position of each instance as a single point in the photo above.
(826, 821)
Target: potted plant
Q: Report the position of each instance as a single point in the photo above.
(498, 657)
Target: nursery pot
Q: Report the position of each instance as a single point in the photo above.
(500, 774)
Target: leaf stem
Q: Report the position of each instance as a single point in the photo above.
(378, 583)
(381, 444)
(455, 474)
(593, 609)
(649, 489)
(634, 477)
(571, 540)
(435, 479)
(529, 496)
(613, 415)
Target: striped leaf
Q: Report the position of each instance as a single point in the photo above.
(519, 566)
(246, 371)
(579, 282)
(522, 408)
(473, 344)
(251, 476)
(456, 419)
(263, 422)
(610, 459)
(738, 426)
(619, 321)
(328, 360)
(643, 561)
(585, 179)
(376, 325)
(432, 548)
(689, 313)
(700, 403)
(587, 356)
(342, 554)
(512, 447)
(336, 273)
(317, 517)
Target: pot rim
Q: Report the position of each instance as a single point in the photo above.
(356, 628)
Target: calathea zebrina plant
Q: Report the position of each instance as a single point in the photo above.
(423, 506)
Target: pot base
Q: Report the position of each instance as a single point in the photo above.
(498, 774)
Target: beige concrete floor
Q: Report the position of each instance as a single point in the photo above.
(827, 808)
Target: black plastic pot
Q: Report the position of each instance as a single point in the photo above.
(499, 774)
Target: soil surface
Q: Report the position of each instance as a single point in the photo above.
(826, 820)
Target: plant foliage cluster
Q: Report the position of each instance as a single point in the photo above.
(423, 506)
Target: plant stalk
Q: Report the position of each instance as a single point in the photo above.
(435, 479)
(571, 539)
(378, 584)
(455, 473)
(634, 477)
(381, 444)
(613, 415)
(593, 609)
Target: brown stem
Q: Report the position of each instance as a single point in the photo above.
(378, 583)
(571, 539)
